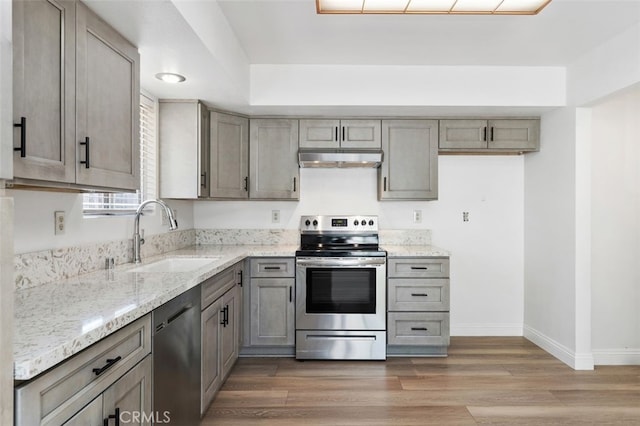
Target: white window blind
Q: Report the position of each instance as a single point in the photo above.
(128, 202)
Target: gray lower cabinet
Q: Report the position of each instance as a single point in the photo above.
(77, 127)
(418, 306)
(270, 321)
(220, 328)
(409, 170)
(183, 140)
(273, 161)
(332, 134)
(497, 135)
(110, 378)
(229, 156)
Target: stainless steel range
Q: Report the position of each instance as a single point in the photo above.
(340, 289)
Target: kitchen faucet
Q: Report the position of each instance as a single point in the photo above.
(137, 241)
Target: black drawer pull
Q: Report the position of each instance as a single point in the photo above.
(240, 277)
(418, 328)
(271, 268)
(420, 294)
(109, 364)
(87, 156)
(421, 268)
(115, 416)
(23, 136)
(290, 294)
(246, 183)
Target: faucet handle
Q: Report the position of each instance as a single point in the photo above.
(141, 236)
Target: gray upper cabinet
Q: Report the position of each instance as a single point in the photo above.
(410, 167)
(315, 133)
(229, 156)
(499, 135)
(76, 89)
(107, 105)
(184, 149)
(273, 171)
(44, 41)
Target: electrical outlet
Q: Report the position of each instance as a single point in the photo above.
(417, 216)
(465, 216)
(275, 216)
(59, 223)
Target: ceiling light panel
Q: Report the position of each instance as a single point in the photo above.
(395, 6)
(507, 7)
(476, 6)
(430, 6)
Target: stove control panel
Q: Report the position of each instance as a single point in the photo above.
(339, 224)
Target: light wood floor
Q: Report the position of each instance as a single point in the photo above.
(484, 380)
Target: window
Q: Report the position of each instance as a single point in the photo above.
(127, 202)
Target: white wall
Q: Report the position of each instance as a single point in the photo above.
(486, 252)
(34, 229)
(407, 85)
(615, 270)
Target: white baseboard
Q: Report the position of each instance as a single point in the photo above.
(577, 361)
(486, 330)
(616, 356)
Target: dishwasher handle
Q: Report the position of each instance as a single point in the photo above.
(174, 317)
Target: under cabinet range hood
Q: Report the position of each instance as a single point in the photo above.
(342, 158)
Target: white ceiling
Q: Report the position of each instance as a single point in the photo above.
(178, 35)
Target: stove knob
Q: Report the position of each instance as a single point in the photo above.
(315, 223)
(307, 222)
(356, 223)
(371, 223)
(364, 223)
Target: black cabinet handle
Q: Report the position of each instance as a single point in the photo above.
(385, 184)
(110, 363)
(86, 152)
(491, 134)
(115, 416)
(294, 184)
(246, 183)
(271, 268)
(23, 136)
(343, 132)
(336, 133)
(422, 268)
(484, 137)
(290, 294)
(420, 294)
(225, 316)
(240, 274)
(203, 182)
(419, 328)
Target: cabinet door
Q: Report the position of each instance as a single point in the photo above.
(463, 134)
(44, 89)
(130, 396)
(410, 167)
(514, 134)
(90, 415)
(229, 156)
(319, 133)
(274, 172)
(272, 311)
(360, 134)
(107, 105)
(183, 141)
(229, 330)
(211, 368)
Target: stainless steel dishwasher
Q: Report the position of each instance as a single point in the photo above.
(176, 360)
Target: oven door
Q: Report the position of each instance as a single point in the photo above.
(340, 293)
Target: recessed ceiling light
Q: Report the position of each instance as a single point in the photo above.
(481, 7)
(169, 77)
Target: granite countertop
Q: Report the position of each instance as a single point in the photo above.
(57, 320)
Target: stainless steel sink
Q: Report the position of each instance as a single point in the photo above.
(176, 264)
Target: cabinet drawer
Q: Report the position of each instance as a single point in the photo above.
(419, 267)
(217, 285)
(273, 267)
(66, 389)
(414, 294)
(418, 328)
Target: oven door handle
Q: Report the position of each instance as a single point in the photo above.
(340, 261)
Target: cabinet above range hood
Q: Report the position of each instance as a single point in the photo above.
(340, 158)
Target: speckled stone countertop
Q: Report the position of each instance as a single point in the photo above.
(57, 320)
(414, 251)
